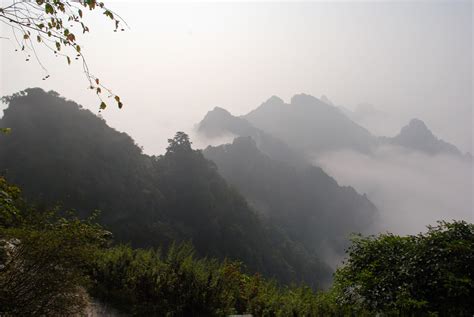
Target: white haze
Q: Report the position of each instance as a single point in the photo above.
(411, 190)
(179, 60)
(200, 141)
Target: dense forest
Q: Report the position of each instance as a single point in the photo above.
(86, 217)
(53, 263)
(60, 153)
(303, 200)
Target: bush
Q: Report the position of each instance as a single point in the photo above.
(425, 274)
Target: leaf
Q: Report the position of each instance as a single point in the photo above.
(103, 105)
(117, 98)
(26, 36)
(120, 105)
(71, 37)
(38, 38)
(97, 81)
(68, 60)
(78, 48)
(80, 13)
(109, 14)
(49, 8)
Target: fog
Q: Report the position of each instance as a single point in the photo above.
(411, 190)
(179, 60)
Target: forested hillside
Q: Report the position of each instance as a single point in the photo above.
(60, 153)
(306, 202)
(54, 264)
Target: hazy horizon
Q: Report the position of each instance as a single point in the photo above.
(407, 59)
(283, 158)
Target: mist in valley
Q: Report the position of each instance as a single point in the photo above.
(258, 160)
(410, 189)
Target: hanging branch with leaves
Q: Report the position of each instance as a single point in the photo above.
(56, 25)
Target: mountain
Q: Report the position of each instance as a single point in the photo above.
(220, 122)
(60, 153)
(417, 136)
(310, 125)
(304, 201)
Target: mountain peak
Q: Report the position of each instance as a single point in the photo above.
(305, 99)
(416, 135)
(417, 123)
(275, 99)
(220, 111)
(214, 122)
(218, 114)
(416, 128)
(272, 102)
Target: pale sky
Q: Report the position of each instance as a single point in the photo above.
(179, 60)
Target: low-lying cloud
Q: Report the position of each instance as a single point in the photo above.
(411, 190)
(200, 141)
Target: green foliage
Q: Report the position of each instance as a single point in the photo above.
(58, 152)
(304, 201)
(44, 258)
(50, 262)
(423, 274)
(176, 283)
(9, 201)
(180, 143)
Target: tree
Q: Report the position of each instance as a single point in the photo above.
(56, 25)
(180, 143)
(44, 258)
(412, 275)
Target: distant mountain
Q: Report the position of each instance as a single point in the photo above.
(310, 125)
(306, 202)
(60, 153)
(219, 122)
(417, 136)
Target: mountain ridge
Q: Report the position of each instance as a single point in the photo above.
(60, 153)
(311, 126)
(305, 201)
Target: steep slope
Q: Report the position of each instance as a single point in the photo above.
(59, 152)
(219, 122)
(307, 203)
(310, 125)
(417, 136)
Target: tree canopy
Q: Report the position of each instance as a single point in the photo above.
(44, 256)
(60, 153)
(412, 275)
